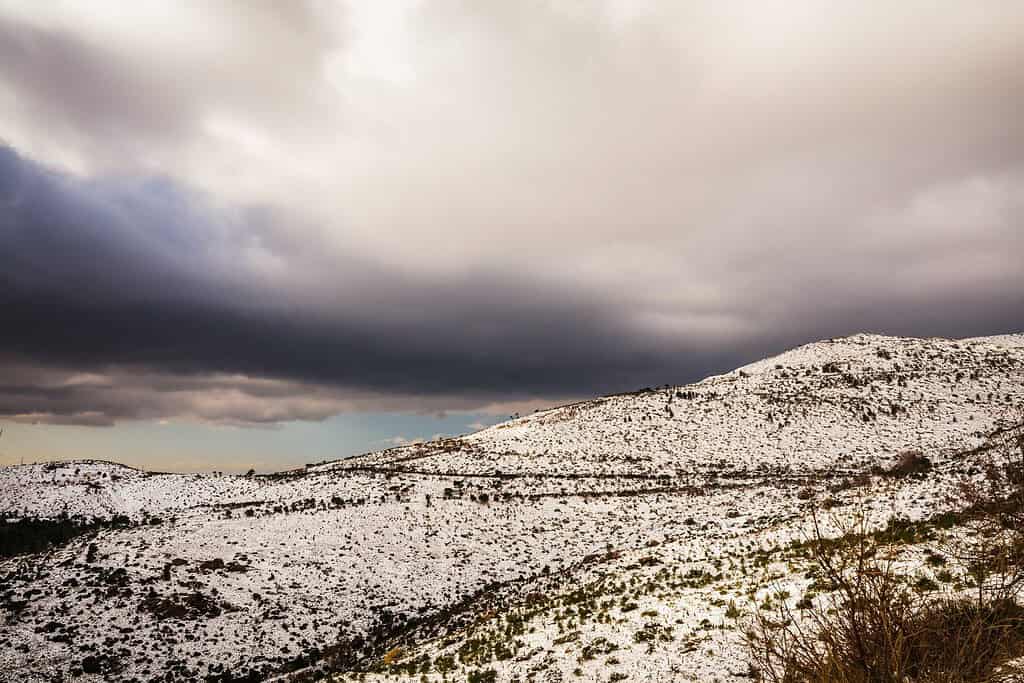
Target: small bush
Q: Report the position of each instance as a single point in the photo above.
(909, 463)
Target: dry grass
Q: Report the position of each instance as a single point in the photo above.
(873, 627)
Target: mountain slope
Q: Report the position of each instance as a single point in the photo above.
(481, 550)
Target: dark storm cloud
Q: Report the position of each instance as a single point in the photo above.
(103, 276)
(260, 212)
(134, 300)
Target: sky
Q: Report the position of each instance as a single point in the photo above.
(258, 234)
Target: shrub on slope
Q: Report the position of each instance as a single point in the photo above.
(876, 626)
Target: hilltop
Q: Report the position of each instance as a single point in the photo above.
(617, 536)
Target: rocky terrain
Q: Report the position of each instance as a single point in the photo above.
(620, 538)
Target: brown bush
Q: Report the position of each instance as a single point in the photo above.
(993, 554)
(873, 627)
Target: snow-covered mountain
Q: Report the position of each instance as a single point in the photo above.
(613, 537)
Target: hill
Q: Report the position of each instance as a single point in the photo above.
(615, 537)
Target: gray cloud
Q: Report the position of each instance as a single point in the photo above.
(157, 88)
(457, 204)
(77, 87)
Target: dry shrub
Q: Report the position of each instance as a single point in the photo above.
(946, 642)
(911, 463)
(874, 628)
(993, 553)
(908, 464)
(871, 626)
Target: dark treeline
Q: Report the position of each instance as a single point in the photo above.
(29, 535)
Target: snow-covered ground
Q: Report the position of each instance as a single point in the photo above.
(659, 499)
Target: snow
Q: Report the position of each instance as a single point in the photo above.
(565, 498)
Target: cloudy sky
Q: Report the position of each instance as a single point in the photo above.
(267, 233)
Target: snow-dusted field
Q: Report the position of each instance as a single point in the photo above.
(615, 529)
